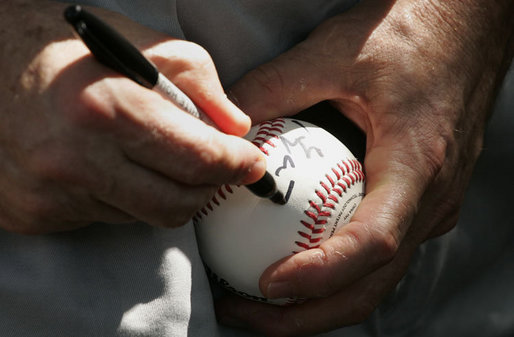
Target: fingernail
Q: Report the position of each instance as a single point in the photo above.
(278, 289)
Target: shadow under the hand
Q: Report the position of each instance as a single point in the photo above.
(330, 119)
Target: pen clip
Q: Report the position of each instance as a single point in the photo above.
(127, 59)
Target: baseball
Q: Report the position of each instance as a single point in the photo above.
(240, 235)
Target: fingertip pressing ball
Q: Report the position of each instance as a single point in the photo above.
(240, 235)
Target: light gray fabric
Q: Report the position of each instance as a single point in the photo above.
(104, 280)
(136, 280)
(239, 34)
(160, 15)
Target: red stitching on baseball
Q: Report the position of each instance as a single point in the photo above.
(266, 131)
(321, 196)
(308, 225)
(347, 174)
(209, 206)
(215, 200)
(312, 215)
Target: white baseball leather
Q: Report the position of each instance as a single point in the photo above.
(240, 235)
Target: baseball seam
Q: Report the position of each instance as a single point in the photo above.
(267, 130)
(342, 177)
(337, 181)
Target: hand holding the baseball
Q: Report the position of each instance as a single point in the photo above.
(418, 78)
(80, 143)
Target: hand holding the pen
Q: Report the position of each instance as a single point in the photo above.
(418, 78)
(80, 143)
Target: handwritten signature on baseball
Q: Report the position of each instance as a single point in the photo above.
(288, 161)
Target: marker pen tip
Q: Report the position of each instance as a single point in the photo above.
(278, 198)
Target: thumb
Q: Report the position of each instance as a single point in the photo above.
(370, 241)
(284, 86)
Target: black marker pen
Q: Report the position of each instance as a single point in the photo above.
(113, 50)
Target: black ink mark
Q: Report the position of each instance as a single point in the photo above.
(289, 191)
(300, 124)
(298, 141)
(312, 148)
(287, 159)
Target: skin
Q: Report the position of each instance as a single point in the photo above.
(419, 78)
(80, 143)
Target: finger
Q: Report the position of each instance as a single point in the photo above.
(191, 68)
(288, 84)
(315, 316)
(370, 240)
(150, 197)
(41, 213)
(350, 305)
(154, 133)
(50, 199)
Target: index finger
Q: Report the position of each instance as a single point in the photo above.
(190, 68)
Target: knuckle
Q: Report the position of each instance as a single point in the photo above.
(181, 56)
(435, 154)
(383, 244)
(386, 246)
(195, 53)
